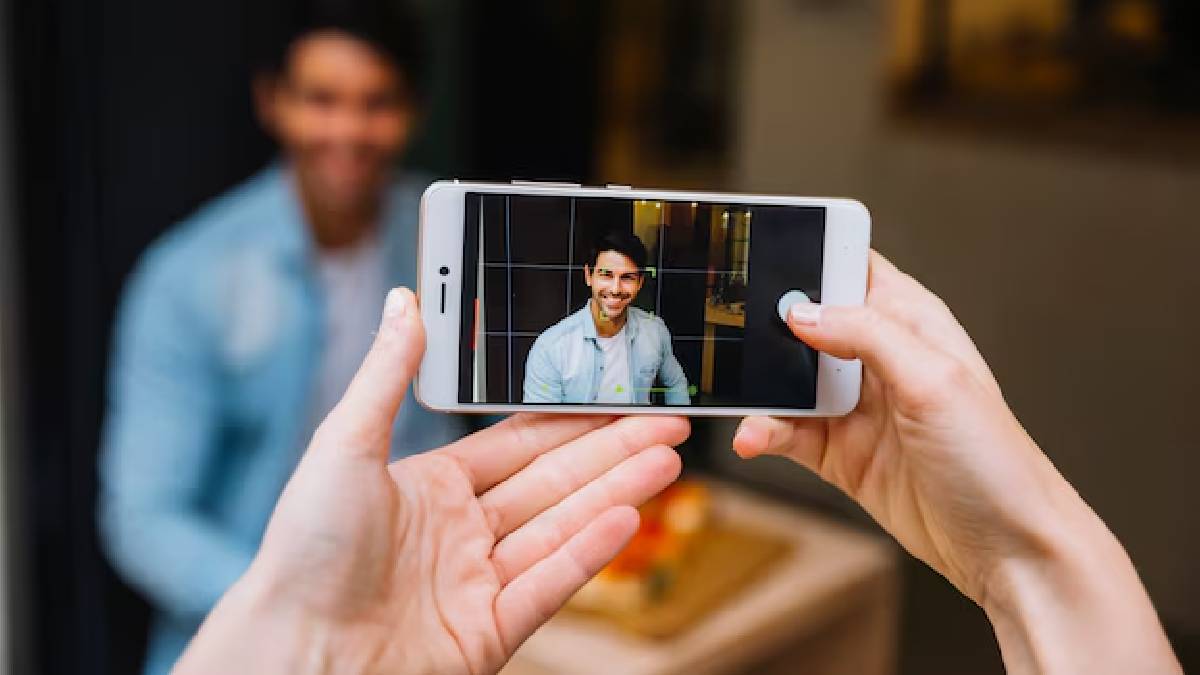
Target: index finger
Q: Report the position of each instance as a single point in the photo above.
(493, 454)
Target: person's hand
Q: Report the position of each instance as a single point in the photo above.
(934, 454)
(443, 562)
(932, 451)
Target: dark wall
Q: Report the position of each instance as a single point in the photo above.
(532, 87)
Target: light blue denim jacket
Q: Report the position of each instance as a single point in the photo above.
(215, 350)
(564, 364)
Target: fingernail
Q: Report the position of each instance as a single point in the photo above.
(805, 314)
(397, 303)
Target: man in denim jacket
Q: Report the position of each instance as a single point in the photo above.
(608, 352)
(241, 327)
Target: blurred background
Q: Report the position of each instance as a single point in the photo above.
(1035, 162)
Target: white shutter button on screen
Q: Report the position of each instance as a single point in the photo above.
(788, 299)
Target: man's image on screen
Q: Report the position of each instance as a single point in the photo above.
(607, 352)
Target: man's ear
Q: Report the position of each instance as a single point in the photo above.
(587, 274)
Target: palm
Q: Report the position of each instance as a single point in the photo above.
(448, 549)
(387, 554)
(442, 562)
(455, 616)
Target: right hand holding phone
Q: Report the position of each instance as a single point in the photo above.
(934, 454)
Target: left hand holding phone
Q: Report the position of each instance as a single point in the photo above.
(440, 562)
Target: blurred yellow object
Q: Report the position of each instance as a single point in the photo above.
(681, 564)
(765, 587)
(645, 569)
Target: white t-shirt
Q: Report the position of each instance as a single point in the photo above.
(352, 283)
(615, 384)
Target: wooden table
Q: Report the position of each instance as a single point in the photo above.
(829, 608)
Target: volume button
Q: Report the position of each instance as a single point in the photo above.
(546, 183)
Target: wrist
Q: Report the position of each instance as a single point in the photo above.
(1074, 603)
(255, 629)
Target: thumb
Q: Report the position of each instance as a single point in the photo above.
(362, 420)
(886, 346)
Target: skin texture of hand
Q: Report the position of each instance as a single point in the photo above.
(934, 454)
(443, 562)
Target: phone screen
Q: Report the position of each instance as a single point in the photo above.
(618, 301)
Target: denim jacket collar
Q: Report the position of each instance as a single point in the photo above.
(290, 237)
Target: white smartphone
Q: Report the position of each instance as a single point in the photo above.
(562, 298)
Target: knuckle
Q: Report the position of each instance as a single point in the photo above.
(942, 381)
(891, 306)
(784, 440)
(557, 476)
(491, 515)
(679, 429)
(867, 321)
(625, 436)
(954, 375)
(550, 536)
(522, 431)
(502, 567)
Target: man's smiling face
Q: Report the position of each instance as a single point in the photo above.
(615, 281)
(343, 113)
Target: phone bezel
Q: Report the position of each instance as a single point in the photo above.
(843, 282)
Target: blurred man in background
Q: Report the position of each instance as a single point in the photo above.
(241, 327)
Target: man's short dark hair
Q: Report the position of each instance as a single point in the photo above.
(622, 241)
(390, 27)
